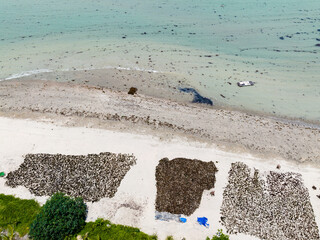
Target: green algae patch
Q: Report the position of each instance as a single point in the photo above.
(104, 229)
(17, 213)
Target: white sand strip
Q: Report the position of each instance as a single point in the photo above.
(134, 202)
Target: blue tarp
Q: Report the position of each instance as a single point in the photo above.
(203, 221)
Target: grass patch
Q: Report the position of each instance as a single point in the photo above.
(105, 230)
(17, 213)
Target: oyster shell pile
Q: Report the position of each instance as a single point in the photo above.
(278, 208)
(91, 177)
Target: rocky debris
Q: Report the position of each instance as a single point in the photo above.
(279, 208)
(91, 177)
(132, 91)
(180, 184)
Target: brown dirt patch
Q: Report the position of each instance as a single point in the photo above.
(180, 184)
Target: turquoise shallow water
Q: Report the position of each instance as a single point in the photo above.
(213, 44)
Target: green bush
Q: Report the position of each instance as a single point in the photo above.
(59, 217)
(219, 236)
(17, 214)
(105, 230)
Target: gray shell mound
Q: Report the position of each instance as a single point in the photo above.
(91, 177)
(278, 208)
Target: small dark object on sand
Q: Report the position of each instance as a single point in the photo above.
(278, 166)
(314, 187)
(212, 193)
(132, 91)
(318, 196)
(197, 98)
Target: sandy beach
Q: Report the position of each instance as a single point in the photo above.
(99, 107)
(51, 117)
(137, 107)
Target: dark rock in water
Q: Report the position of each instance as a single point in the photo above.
(317, 45)
(318, 39)
(197, 98)
(133, 90)
(281, 38)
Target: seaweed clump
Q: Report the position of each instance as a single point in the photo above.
(180, 184)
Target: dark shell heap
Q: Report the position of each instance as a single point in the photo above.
(91, 177)
(180, 184)
(279, 208)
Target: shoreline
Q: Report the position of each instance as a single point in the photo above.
(97, 107)
(159, 86)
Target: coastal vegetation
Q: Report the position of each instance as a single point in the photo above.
(59, 217)
(63, 217)
(104, 229)
(219, 236)
(17, 214)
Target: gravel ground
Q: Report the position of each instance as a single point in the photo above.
(91, 177)
(278, 208)
(180, 184)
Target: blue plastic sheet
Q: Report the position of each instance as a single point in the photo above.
(203, 221)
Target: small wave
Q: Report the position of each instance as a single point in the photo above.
(37, 71)
(28, 73)
(112, 67)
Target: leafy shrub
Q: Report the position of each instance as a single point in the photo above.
(59, 217)
(219, 236)
(105, 230)
(17, 214)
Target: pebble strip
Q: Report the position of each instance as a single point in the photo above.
(279, 208)
(91, 177)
